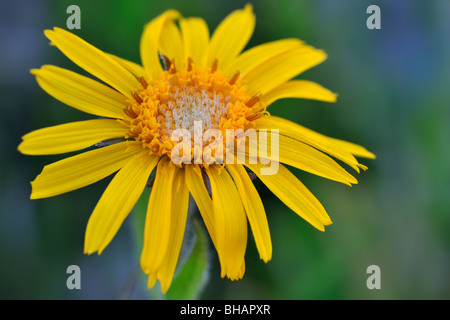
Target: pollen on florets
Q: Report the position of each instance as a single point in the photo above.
(181, 98)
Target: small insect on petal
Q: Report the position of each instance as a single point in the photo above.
(108, 142)
(165, 61)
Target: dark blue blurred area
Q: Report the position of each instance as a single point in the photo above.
(394, 99)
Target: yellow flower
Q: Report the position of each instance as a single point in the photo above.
(186, 77)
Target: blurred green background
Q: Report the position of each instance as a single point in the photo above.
(394, 98)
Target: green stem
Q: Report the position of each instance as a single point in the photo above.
(192, 271)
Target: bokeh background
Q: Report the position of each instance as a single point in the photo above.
(394, 98)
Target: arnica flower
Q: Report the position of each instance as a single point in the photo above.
(186, 76)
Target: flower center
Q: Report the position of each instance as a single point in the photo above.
(194, 100)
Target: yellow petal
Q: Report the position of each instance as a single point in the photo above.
(137, 70)
(195, 35)
(93, 60)
(282, 68)
(149, 46)
(302, 89)
(157, 222)
(294, 194)
(230, 222)
(71, 136)
(171, 45)
(302, 156)
(254, 209)
(308, 136)
(117, 201)
(80, 92)
(83, 169)
(151, 280)
(354, 149)
(196, 185)
(253, 57)
(180, 204)
(231, 36)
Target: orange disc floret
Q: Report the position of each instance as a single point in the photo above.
(194, 99)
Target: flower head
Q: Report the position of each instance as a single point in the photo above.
(198, 89)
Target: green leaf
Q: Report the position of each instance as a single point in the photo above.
(189, 282)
